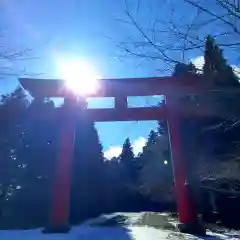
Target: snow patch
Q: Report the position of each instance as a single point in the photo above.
(130, 230)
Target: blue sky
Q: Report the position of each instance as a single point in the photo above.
(89, 30)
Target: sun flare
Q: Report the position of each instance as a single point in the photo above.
(80, 76)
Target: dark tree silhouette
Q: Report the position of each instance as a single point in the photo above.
(35, 156)
(215, 65)
(155, 176)
(88, 192)
(127, 161)
(127, 156)
(182, 69)
(12, 107)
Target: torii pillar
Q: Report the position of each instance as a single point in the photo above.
(121, 89)
(60, 204)
(189, 222)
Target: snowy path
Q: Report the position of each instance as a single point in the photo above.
(126, 232)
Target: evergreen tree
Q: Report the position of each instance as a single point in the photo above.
(128, 172)
(115, 187)
(208, 67)
(87, 193)
(183, 69)
(127, 155)
(162, 128)
(152, 138)
(35, 155)
(12, 108)
(148, 149)
(155, 176)
(35, 159)
(127, 161)
(216, 67)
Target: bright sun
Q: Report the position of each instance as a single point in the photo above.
(80, 76)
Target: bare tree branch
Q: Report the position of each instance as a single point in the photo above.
(10, 59)
(222, 19)
(156, 47)
(171, 41)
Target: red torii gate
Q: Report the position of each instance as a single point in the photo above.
(172, 87)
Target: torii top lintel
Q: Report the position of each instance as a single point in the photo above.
(120, 87)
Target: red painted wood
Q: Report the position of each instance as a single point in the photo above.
(186, 208)
(62, 181)
(124, 87)
(129, 114)
(110, 115)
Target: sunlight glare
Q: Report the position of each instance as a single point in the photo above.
(80, 76)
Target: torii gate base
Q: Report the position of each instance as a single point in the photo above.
(120, 89)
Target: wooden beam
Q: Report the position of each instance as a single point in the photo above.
(111, 114)
(119, 87)
(129, 114)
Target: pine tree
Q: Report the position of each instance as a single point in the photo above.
(183, 69)
(127, 155)
(87, 193)
(148, 148)
(128, 172)
(208, 67)
(12, 108)
(127, 161)
(216, 67)
(152, 138)
(115, 186)
(155, 176)
(35, 156)
(162, 128)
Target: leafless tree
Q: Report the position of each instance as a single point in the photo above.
(178, 36)
(12, 58)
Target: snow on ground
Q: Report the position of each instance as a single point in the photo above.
(119, 226)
